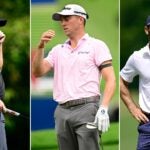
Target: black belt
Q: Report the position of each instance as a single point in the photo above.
(147, 114)
(81, 101)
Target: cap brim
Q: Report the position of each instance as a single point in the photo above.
(148, 24)
(57, 16)
(3, 22)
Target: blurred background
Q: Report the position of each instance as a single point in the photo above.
(16, 70)
(133, 14)
(103, 24)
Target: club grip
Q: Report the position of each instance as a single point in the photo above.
(12, 112)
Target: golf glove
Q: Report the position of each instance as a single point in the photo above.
(2, 37)
(102, 119)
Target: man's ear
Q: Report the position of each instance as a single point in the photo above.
(146, 30)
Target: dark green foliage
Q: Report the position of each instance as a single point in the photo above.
(133, 14)
(16, 69)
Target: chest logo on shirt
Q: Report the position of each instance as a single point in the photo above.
(83, 52)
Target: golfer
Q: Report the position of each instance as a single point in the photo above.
(78, 64)
(3, 145)
(138, 64)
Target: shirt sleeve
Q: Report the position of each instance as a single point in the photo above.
(51, 57)
(128, 72)
(102, 53)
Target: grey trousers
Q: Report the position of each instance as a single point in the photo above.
(70, 125)
(3, 144)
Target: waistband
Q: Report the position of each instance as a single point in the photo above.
(147, 114)
(81, 101)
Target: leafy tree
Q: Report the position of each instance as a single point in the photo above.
(16, 70)
(133, 14)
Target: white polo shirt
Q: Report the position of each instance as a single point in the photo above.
(76, 73)
(139, 64)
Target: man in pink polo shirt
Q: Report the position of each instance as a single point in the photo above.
(78, 66)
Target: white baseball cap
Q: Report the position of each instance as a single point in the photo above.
(69, 10)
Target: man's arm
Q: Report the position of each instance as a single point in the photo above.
(1, 56)
(39, 65)
(129, 102)
(2, 38)
(110, 83)
(102, 117)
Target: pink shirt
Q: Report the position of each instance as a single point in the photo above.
(76, 73)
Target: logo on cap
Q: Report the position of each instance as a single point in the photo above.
(70, 9)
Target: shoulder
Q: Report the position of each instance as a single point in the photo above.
(139, 53)
(56, 48)
(96, 41)
(98, 44)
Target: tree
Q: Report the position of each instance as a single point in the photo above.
(16, 71)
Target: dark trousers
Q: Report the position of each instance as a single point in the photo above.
(144, 136)
(3, 143)
(70, 125)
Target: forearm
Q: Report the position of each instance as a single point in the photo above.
(110, 86)
(2, 39)
(39, 65)
(109, 90)
(102, 117)
(37, 62)
(1, 56)
(126, 96)
(134, 109)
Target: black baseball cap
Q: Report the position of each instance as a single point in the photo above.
(148, 21)
(3, 22)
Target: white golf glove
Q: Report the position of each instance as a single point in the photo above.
(102, 119)
(2, 37)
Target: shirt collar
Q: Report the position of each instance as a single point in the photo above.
(85, 37)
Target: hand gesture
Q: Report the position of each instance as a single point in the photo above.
(46, 37)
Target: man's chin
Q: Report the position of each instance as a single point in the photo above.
(67, 34)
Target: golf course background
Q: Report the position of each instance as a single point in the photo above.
(102, 24)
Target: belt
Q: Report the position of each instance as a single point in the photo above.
(147, 114)
(81, 101)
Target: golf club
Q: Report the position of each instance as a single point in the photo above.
(92, 125)
(15, 113)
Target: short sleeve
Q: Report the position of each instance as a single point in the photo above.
(102, 53)
(129, 71)
(51, 57)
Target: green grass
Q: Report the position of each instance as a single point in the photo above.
(46, 139)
